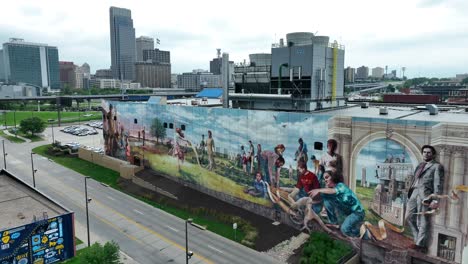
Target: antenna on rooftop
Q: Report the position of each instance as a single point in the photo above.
(218, 52)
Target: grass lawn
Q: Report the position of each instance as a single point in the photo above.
(110, 177)
(11, 138)
(366, 195)
(33, 138)
(78, 241)
(66, 117)
(84, 167)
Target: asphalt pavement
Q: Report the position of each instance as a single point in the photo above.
(144, 233)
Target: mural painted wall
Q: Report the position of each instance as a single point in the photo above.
(251, 159)
(46, 241)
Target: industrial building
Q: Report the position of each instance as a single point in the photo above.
(122, 39)
(32, 63)
(306, 73)
(153, 75)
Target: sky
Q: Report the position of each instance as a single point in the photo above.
(428, 37)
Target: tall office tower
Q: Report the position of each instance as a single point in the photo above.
(67, 74)
(362, 73)
(143, 43)
(31, 63)
(377, 72)
(122, 34)
(2, 67)
(349, 74)
(82, 76)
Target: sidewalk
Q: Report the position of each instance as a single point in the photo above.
(10, 134)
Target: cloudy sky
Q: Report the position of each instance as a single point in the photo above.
(428, 37)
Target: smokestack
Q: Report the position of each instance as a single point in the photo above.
(225, 77)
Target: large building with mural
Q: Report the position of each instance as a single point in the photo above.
(218, 151)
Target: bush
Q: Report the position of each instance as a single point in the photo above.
(321, 248)
(98, 254)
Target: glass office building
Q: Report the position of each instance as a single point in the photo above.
(123, 52)
(31, 63)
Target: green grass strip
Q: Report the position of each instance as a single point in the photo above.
(11, 138)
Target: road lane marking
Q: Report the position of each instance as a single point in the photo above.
(138, 211)
(215, 249)
(167, 240)
(110, 198)
(173, 229)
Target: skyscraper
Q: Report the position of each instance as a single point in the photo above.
(32, 63)
(122, 34)
(143, 43)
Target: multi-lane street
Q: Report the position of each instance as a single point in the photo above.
(144, 233)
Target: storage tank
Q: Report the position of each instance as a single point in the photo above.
(260, 59)
(299, 38)
(321, 40)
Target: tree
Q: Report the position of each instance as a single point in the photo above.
(465, 81)
(32, 125)
(98, 254)
(157, 129)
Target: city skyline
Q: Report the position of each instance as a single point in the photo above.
(399, 35)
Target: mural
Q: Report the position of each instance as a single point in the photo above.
(46, 241)
(341, 172)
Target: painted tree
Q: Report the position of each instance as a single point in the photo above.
(158, 130)
(32, 125)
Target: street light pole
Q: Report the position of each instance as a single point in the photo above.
(87, 215)
(51, 122)
(4, 154)
(33, 170)
(14, 119)
(187, 255)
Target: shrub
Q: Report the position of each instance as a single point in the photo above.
(98, 254)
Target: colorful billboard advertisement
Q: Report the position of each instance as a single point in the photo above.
(275, 163)
(45, 241)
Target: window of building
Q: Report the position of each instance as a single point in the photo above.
(318, 145)
(135, 121)
(182, 127)
(171, 125)
(446, 246)
(165, 125)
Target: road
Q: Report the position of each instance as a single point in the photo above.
(145, 233)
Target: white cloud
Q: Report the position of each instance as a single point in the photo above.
(375, 33)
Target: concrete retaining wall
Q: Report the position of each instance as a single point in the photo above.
(125, 169)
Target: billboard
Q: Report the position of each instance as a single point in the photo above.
(42, 242)
(255, 160)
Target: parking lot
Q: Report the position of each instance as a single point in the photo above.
(94, 140)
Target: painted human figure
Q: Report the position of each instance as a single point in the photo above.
(331, 157)
(259, 158)
(273, 161)
(251, 157)
(109, 130)
(210, 149)
(428, 179)
(301, 152)
(244, 159)
(201, 148)
(337, 197)
(177, 150)
(259, 187)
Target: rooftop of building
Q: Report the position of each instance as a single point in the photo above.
(20, 203)
(19, 41)
(455, 114)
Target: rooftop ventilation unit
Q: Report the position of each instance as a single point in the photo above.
(383, 111)
(433, 109)
(365, 105)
